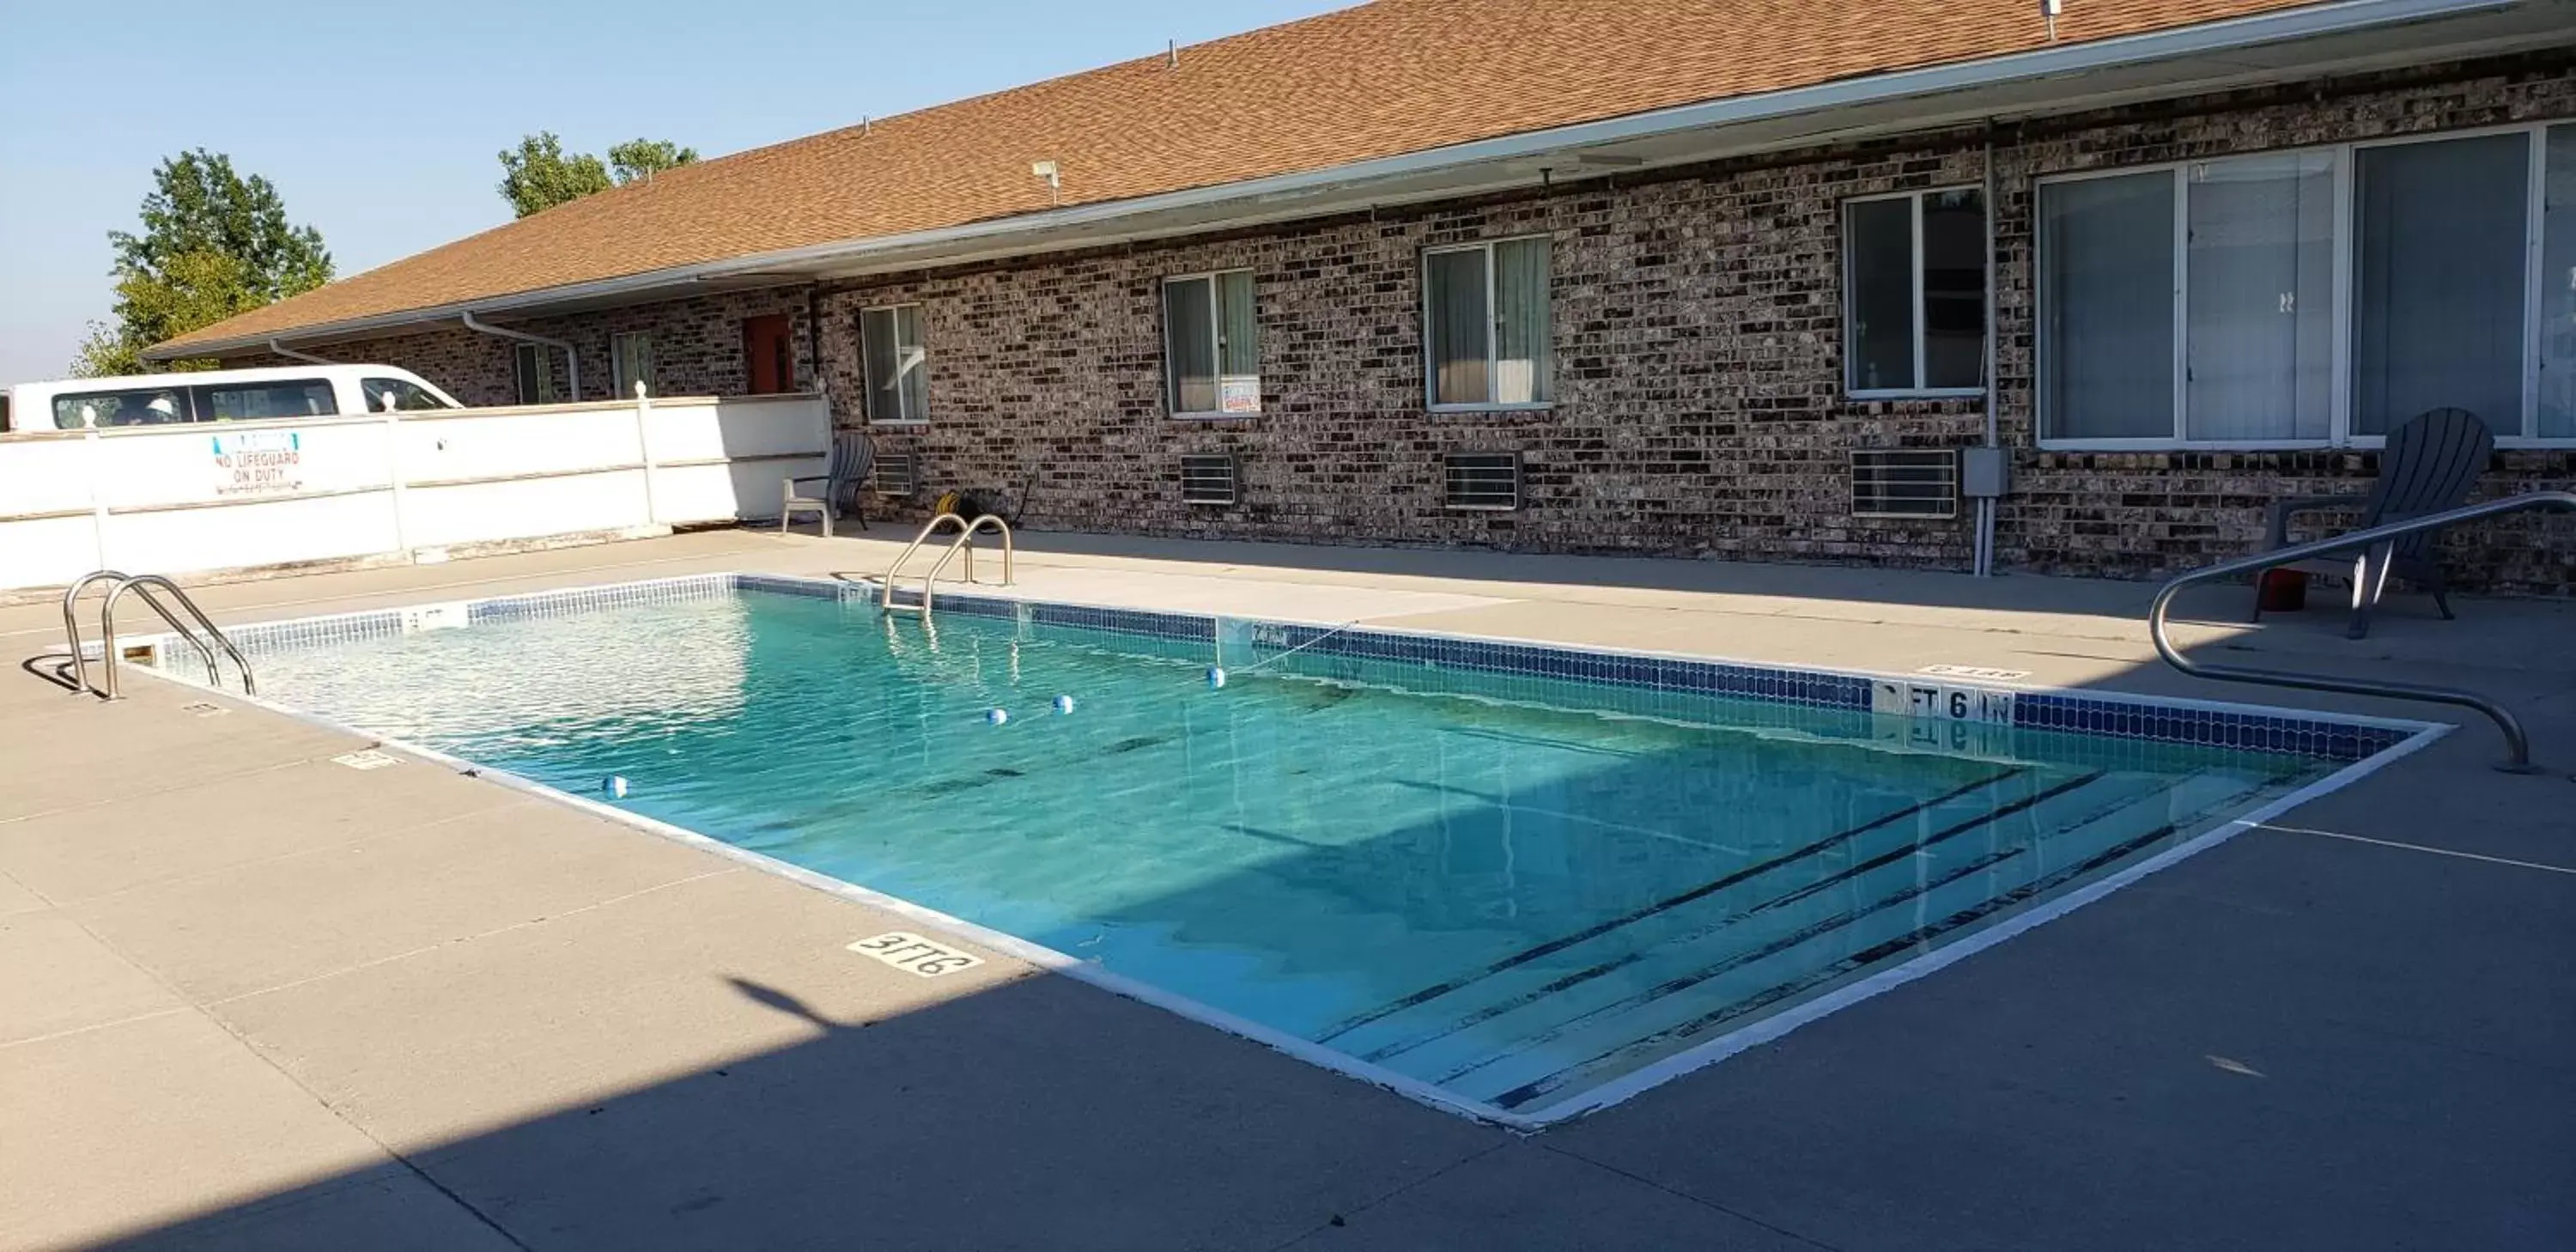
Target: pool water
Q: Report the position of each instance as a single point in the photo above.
(1512, 889)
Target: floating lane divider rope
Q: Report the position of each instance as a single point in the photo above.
(1216, 674)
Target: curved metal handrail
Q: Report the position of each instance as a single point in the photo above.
(885, 587)
(71, 621)
(2517, 744)
(143, 585)
(966, 540)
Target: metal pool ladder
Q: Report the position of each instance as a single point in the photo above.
(204, 635)
(965, 541)
(2517, 744)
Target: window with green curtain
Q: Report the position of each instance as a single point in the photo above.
(1520, 321)
(1238, 344)
(1189, 345)
(912, 363)
(1486, 323)
(1211, 345)
(534, 374)
(895, 363)
(630, 361)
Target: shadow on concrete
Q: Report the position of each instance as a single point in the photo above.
(52, 667)
(1037, 1114)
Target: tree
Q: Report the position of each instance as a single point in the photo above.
(213, 244)
(643, 158)
(539, 175)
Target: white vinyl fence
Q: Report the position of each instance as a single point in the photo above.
(207, 496)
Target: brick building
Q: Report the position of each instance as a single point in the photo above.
(1690, 268)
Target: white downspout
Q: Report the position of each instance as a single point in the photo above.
(293, 355)
(572, 359)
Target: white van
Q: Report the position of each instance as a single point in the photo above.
(218, 396)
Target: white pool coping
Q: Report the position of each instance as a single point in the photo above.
(1769, 1027)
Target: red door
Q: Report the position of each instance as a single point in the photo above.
(769, 360)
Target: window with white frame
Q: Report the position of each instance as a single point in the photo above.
(2314, 297)
(532, 374)
(1485, 317)
(630, 361)
(1211, 345)
(897, 366)
(1914, 293)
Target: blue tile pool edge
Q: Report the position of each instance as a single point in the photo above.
(377, 623)
(2207, 723)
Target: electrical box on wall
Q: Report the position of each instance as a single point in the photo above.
(1985, 473)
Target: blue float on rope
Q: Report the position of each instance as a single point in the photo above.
(1064, 704)
(613, 786)
(1216, 677)
(997, 716)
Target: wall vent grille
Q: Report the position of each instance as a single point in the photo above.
(897, 473)
(1905, 482)
(1208, 479)
(1489, 481)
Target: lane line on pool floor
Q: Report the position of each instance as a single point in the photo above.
(1598, 929)
(2417, 847)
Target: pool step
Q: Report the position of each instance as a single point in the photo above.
(1627, 948)
(1624, 997)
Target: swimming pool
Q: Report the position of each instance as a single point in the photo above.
(1517, 880)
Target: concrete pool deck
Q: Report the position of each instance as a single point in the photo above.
(253, 998)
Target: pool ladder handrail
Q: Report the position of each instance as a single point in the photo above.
(2517, 744)
(143, 585)
(964, 541)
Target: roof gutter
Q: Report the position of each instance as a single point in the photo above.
(572, 359)
(2337, 17)
(293, 355)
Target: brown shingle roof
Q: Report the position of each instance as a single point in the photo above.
(1384, 79)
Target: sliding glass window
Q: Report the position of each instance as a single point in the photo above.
(1211, 345)
(896, 364)
(1914, 282)
(2313, 298)
(1486, 316)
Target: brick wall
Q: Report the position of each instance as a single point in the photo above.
(697, 344)
(1698, 345)
(697, 348)
(2132, 514)
(1698, 340)
(1698, 392)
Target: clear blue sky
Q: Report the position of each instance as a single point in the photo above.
(379, 122)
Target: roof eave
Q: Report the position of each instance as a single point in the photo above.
(2306, 41)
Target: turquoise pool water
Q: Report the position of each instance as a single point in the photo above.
(1512, 888)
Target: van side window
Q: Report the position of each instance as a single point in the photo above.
(408, 397)
(143, 406)
(250, 402)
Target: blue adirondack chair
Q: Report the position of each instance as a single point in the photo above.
(2429, 465)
